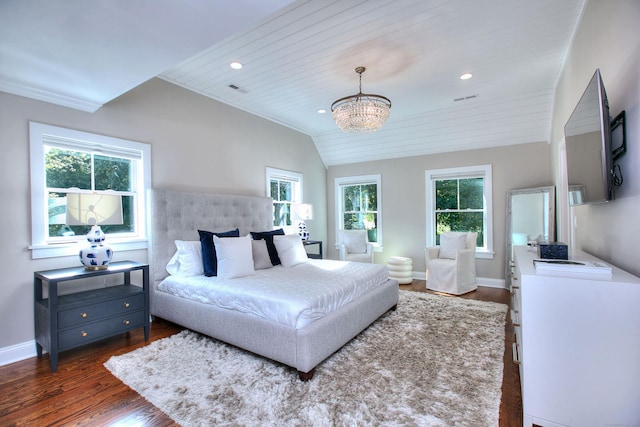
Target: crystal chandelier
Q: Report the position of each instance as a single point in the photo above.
(361, 113)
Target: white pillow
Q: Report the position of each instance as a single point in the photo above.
(451, 243)
(260, 252)
(235, 258)
(190, 257)
(354, 240)
(290, 250)
(173, 266)
(187, 261)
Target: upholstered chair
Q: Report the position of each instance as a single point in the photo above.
(451, 266)
(354, 246)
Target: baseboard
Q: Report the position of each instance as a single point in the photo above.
(492, 283)
(17, 352)
(419, 275)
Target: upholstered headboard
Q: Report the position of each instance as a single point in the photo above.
(177, 215)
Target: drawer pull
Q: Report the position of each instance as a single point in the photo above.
(84, 334)
(126, 305)
(514, 318)
(83, 315)
(126, 322)
(516, 356)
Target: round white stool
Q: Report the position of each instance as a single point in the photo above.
(400, 269)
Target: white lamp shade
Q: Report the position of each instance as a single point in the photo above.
(94, 209)
(302, 211)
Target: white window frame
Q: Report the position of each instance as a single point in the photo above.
(296, 179)
(357, 180)
(41, 246)
(484, 171)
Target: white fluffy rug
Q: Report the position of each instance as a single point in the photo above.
(436, 361)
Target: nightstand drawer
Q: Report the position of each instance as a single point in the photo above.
(93, 312)
(94, 331)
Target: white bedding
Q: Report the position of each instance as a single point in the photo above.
(295, 296)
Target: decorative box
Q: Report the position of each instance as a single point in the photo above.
(553, 250)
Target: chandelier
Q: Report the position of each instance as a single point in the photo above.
(362, 112)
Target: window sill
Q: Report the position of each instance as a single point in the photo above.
(485, 254)
(72, 249)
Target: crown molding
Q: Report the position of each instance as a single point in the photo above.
(17, 88)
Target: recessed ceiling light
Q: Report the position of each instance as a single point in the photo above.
(322, 111)
(235, 65)
(466, 76)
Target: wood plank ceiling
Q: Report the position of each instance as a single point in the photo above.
(303, 58)
(299, 56)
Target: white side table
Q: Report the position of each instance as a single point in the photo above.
(400, 268)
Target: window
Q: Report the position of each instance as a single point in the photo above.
(358, 205)
(285, 188)
(68, 164)
(460, 199)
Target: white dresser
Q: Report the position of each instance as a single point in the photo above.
(578, 346)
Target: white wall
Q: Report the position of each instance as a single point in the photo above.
(196, 144)
(607, 38)
(404, 205)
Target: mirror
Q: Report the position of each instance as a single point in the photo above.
(530, 216)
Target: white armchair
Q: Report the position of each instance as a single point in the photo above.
(451, 267)
(354, 246)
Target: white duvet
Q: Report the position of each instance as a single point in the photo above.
(295, 296)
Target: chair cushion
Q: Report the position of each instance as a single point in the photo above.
(354, 240)
(451, 243)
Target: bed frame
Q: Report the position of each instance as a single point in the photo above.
(178, 215)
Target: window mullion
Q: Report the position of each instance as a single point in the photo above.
(93, 172)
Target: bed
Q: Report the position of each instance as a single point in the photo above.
(301, 344)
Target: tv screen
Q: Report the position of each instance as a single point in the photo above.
(588, 147)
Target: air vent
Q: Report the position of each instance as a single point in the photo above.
(237, 88)
(467, 98)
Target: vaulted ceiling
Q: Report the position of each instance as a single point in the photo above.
(299, 57)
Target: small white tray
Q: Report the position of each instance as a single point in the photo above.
(573, 267)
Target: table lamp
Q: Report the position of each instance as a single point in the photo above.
(95, 210)
(302, 212)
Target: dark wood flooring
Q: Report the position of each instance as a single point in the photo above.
(83, 393)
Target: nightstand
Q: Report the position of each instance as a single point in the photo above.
(317, 255)
(63, 322)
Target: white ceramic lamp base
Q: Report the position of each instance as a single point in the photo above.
(97, 256)
(302, 230)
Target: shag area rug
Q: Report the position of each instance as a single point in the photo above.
(435, 361)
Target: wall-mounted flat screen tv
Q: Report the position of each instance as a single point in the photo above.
(588, 147)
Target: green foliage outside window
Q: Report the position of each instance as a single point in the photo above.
(68, 169)
(360, 208)
(460, 207)
(282, 195)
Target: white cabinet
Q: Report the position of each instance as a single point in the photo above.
(578, 345)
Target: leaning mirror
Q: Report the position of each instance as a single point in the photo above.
(530, 216)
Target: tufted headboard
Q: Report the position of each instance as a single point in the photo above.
(178, 215)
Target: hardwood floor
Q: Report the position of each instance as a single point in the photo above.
(83, 393)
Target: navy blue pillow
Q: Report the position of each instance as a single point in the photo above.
(271, 247)
(209, 260)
